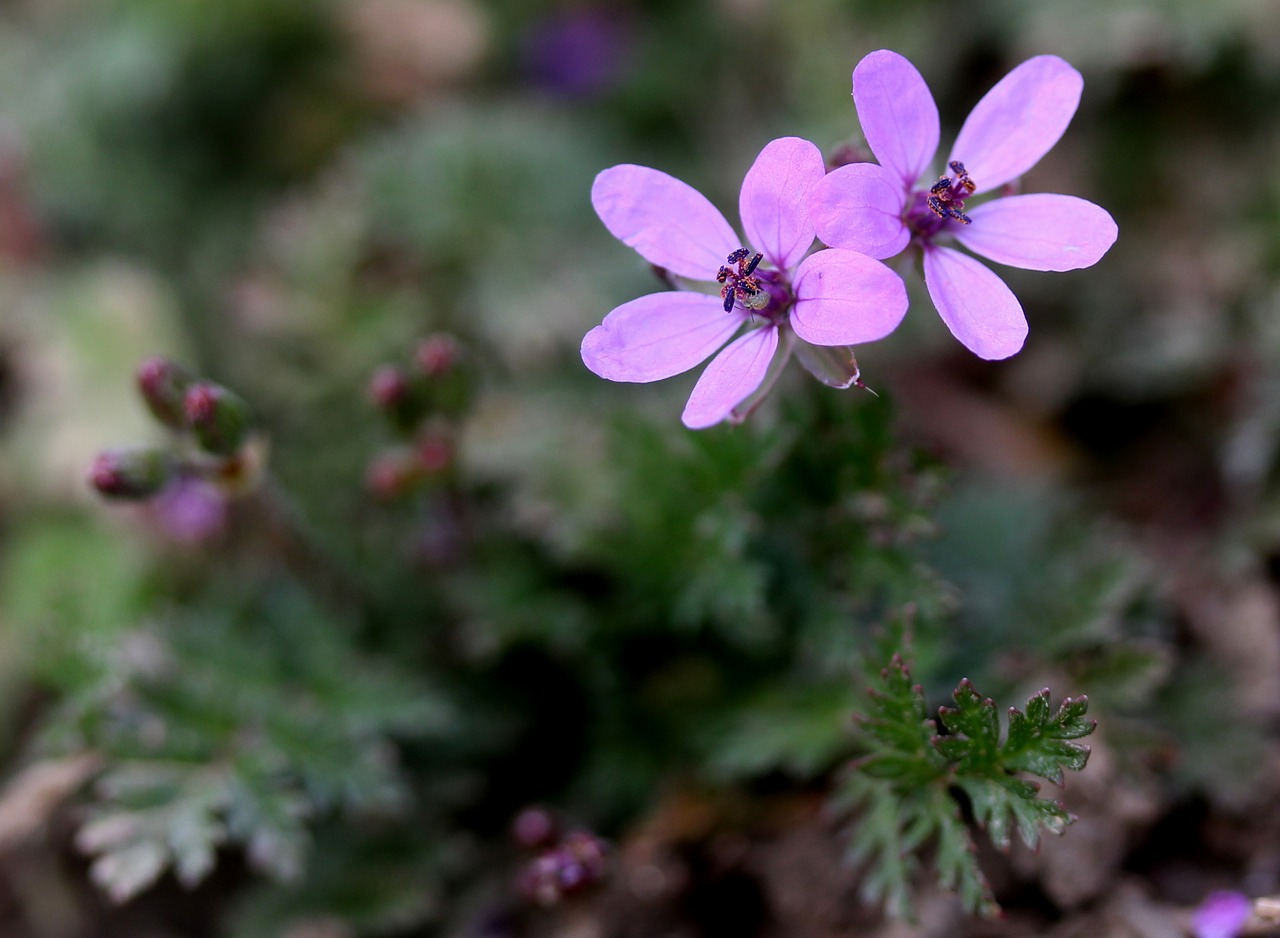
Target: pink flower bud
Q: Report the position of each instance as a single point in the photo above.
(435, 453)
(534, 827)
(388, 388)
(163, 386)
(437, 355)
(392, 474)
(398, 396)
(131, 474)
(220, 420)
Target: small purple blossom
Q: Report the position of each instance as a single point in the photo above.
(779, 290)
(578, 861)
(880, 209)
(191, 511)
(1222, 915)
(579, 53)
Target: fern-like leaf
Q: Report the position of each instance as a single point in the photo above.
(903, 789)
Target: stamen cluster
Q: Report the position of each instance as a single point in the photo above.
(740, 285)
(947, 195)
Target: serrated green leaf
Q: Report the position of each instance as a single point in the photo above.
(904, 784)
(1038, 741)
(974, 728)
(879, 846)
(1005, 803)
(958, 869)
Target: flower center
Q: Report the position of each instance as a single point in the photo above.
(947, 195)
(741, 283)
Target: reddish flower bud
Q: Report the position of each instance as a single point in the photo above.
(394, 393)
(435, 452)
(163, 385)
(220, 419)
(437, 355)
(388, 387)
(534, 827)
(392, 474)
(131, 474)
(447, 385)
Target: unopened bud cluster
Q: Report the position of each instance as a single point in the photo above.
(213, 431)
(564, 866)
(420, 402)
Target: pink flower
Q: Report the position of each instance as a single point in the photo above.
(1222, 915)
(830, 298)
(879, 209)
(191, 511)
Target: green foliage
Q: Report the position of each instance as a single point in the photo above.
(800, 731)
(902, 791)
(378, 879)
(191, 767)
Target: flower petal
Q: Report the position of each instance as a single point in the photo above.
(975, 304)
(1222, 915)
(730, 378)
(846, 298)
(1040, 232)
(667, 221)
(774, 202)
(859, 207)
(1018, 121)
(658, 335)
(897, 113)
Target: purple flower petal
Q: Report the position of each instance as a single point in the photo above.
(897, 113)
(975, 304)
(1040, 232)
(1018, 121)
(191, 511)
(846, 298)
(730, 378)
(774, 202)
(658, 335)
(668, 222)
(1222, 915)
(859, 207)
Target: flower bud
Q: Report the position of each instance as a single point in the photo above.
(393, 393)
(588, 851)
(220, 419)
(392, 474)
(131, 474)
(163, 385)
(579, 861)
(448, 386)
(437, 355)
(435, 451)
(388, 387)
(534, 827)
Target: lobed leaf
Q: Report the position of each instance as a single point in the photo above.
(1039, 740)
(905, 786)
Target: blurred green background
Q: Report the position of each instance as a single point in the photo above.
(315, 708)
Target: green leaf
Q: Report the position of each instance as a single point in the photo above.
(191, 768)
(902, 790)
(892, 827)
(1039, 740)
(974, 743)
